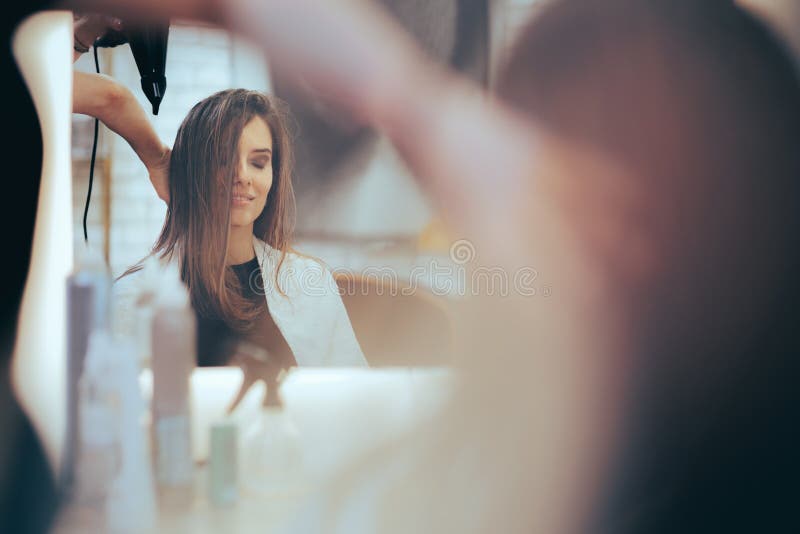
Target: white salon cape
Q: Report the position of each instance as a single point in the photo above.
(310, 313)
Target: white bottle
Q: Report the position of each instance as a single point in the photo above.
(98, 433)
(131, 503)
(113, 472)
(88, 290)
(173, 358)
(271, 453)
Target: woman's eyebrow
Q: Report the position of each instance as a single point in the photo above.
(261, 151)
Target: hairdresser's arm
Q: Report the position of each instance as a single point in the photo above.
(477, 159)
(101, 97)
(474, 156)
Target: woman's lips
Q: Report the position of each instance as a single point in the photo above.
(238, 200)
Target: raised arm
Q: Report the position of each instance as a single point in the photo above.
(467, 151)
(473, 156)
(115, 106)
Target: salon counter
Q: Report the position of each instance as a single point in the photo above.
(251, 513)
(339, 414)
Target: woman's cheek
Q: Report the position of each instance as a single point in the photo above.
(263, 196)
(268, 185)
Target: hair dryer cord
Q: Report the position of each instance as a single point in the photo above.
(91, 164)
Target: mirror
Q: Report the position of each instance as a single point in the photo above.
(358, 208)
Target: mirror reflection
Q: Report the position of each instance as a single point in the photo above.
(300, 237)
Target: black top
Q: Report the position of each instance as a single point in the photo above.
(217, 341)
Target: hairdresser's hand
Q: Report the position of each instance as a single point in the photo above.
(89, 27)
(158, 170)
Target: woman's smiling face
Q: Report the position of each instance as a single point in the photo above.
(253, 178)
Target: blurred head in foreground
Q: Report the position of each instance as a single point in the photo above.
(691, 234)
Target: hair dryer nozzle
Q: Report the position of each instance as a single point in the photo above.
(149, 47)
(154, 88)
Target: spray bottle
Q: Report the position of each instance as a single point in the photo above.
(272, 459)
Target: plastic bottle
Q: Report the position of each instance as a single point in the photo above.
(114, 474)
(222, 463)
(98, 446)
(88, 290)
(131, 503)
(173, 357)
(272, 460)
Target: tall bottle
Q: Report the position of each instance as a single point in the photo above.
(130, 503)
(98, 448)
(173, 358)
(88, 308)
(113, 475)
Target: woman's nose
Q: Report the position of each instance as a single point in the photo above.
(242, 177)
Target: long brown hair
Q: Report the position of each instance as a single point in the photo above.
(197, 225)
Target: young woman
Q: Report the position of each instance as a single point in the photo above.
(229, 228)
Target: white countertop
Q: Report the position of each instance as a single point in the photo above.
(339, 414)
